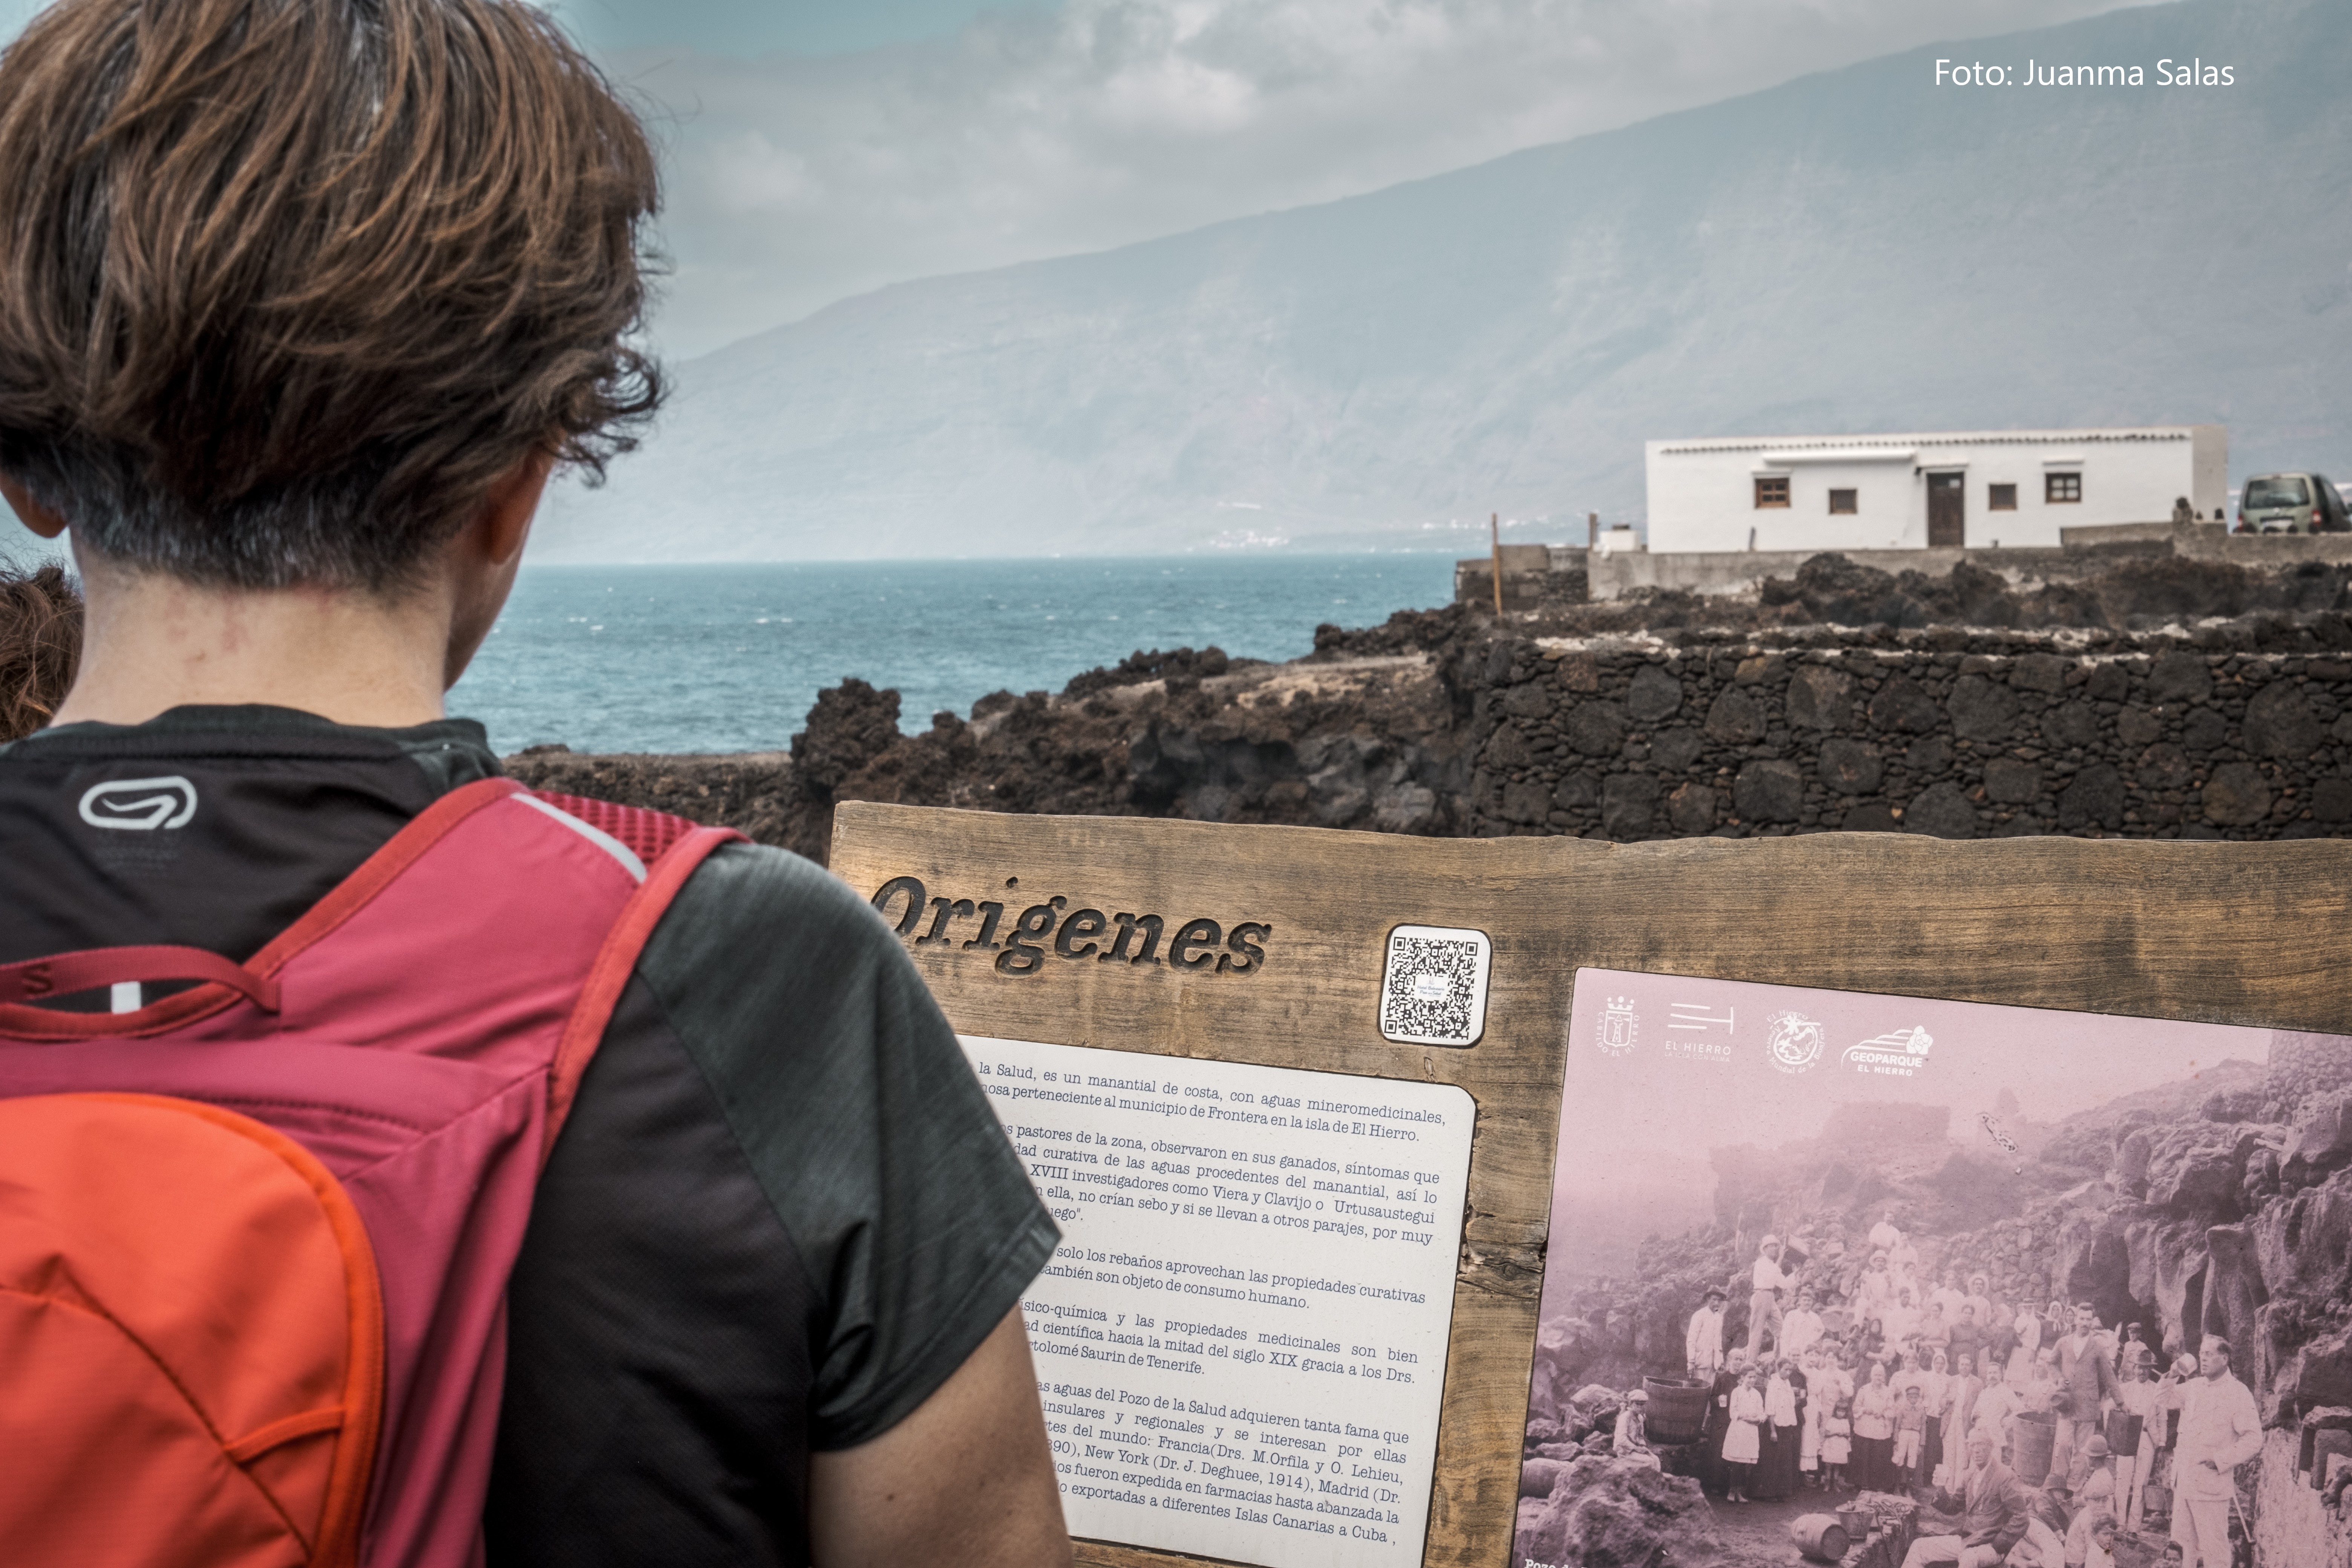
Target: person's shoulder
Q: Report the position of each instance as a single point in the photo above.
(776, 893)
(756, 919)
(852, 1104)
(762, 945)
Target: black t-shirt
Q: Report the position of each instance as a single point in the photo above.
(780, 1215)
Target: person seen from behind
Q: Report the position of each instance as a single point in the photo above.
(302, 303)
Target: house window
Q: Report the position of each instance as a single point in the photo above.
(2062, 486)
(1772, 491)
(1844, 500)
(2001, 498)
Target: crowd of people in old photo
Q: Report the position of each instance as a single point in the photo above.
(1936, 1388)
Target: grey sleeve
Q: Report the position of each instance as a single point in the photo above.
(844, 1086)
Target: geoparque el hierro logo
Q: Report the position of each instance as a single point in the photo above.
(1900, 1054)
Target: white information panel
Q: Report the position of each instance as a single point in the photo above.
(1240, 1344)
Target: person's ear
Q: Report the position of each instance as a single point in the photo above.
(512, 502)
(30, 512)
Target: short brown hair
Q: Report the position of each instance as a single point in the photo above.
(286, 285)
(40, 645)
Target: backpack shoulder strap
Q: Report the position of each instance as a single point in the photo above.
(616, 960)
(224, 983)
(648, 834)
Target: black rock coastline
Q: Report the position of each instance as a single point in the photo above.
(2159, 699)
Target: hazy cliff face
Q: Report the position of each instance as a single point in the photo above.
(2165, 1208)
(1855, 251)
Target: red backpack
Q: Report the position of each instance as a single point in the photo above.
(255, 1236)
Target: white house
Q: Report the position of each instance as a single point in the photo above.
(1891, 492)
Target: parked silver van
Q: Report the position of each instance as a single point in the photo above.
(2292, 503)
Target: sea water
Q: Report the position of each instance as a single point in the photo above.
(729, 657)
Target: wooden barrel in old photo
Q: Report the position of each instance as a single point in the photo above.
(1820, 1537)
(2036, 1437)
(1537, 1477)
(1677, 1409)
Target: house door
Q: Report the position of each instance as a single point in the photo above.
(1946, 520)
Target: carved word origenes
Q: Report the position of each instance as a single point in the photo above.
(1054, 929)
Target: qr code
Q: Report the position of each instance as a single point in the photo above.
(1433, 992)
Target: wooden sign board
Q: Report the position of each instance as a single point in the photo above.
(2242, 933)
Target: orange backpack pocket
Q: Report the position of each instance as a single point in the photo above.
(191, 1341)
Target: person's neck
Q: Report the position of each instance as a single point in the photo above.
(153, 642)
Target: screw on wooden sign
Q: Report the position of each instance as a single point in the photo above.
(1201, 945)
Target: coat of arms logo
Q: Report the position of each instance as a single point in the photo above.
(1618, 1026)
(1794, 1041)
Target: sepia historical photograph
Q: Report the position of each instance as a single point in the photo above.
(1895, 1283)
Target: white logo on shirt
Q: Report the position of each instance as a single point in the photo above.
(142, 805)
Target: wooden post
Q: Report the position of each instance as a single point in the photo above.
(1593, 530)
(1494, 537)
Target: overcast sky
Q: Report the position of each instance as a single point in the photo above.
(818, 151)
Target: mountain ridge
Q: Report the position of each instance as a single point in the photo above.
(1854, 249)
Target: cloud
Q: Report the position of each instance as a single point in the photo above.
(798, 181)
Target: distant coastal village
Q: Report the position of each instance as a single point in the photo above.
(1726, 514)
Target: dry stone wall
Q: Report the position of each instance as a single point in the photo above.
(1959, 733)
(1438, 723)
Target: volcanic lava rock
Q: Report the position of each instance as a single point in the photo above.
(1901, 706)
(1981, 710)
(1735, 719)
(1653, 695)
(1768, 790)
(1942, 810)
(1851, 767)
(2011, 781)
(850, 726)
(2237, 795)
(2179, 677)
(1628, 801)
(1618, 1514)
(1821, 699)
(2280, 723)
